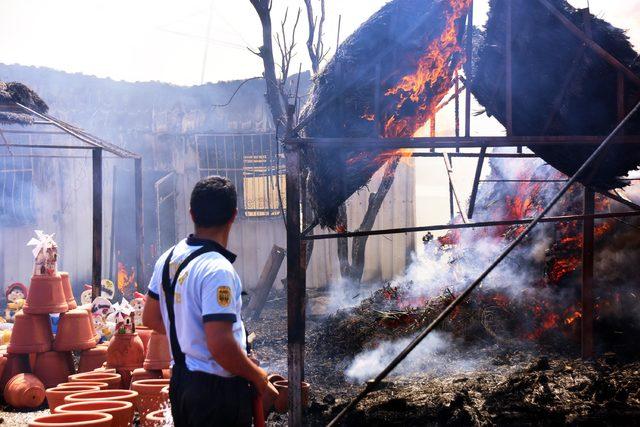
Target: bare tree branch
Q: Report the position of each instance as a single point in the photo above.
(315, 45)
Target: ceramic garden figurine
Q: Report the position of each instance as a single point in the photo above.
(45, 252)
(124, 317)
(85, 297)
(16, 295)
(138, 306)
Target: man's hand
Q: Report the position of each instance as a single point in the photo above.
(263, 386)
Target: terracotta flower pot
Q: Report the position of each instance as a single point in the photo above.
(144, 374)
(73, 419)
(267, 400)
(16, 364)
(282, 402)
(125, 351)
(53, 367)
(158, 355)
(99, 384)
(31, 334)
(114, 380)
(75, 331)
(145, 334)
(46, 296)
(56, 395)
(121, 411)
(104, 369)
(3, 363)
(68, 290)
(24, 391)
(126, 377)
(159, 418)
(92, 358)
(96, 395)
(150, 397)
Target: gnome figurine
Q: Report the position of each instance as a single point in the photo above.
(138, 307)
(16, 295)
(124, 317)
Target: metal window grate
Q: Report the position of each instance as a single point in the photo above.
(249, 160)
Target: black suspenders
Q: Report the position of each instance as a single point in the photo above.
(169, 286)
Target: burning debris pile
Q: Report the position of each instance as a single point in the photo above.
(17, 92)
(411, 48)
(560, 86)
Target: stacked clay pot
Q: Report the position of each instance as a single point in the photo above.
(150, 396)
(121, 411)
(125, 354)
(158, 356)
(53, 367)
(75, 331)
(130, 396)
(114, 380)
(159, 418)
(68, 290)
(89, 419)
(46, 296)
(92, 358)
(56, 395)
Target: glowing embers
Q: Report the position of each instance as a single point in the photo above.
(418, 94)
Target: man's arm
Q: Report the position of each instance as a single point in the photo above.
(152, 317)
(226, 351)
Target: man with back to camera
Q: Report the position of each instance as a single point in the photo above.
(195, 295)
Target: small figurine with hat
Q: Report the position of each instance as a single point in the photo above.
(138, 307)
(16, 294)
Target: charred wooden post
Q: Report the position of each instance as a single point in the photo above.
(96, 260)
(296, 286)
(476, 182)
(468, 66)
(588, 226)
(265, 282)
(139, 221)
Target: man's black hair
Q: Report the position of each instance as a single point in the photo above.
(213, 201)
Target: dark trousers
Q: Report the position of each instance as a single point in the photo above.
(199, 399)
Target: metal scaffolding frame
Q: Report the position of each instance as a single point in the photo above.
(297, 237)
(97, 147)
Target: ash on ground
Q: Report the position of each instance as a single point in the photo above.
(510, 384)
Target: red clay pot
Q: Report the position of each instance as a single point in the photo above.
(75, 331)
(114, 380)
(68, 290)
(31, 334)
(144, 374)
(159, 418)
(104, 369)
(46, 296)
(97, 395)
(56, 395)
(16, 364)
(165, 395)
(121, 411)
(73, 419)
(150, 398)
(24, 391)
(101, 385)
(145, 335)
(92, 358)
(3, 363)
(158, 355)
(126, 377)
(125, 351)
(53, 367)
(282, 402)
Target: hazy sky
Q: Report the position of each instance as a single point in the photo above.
(165, 40)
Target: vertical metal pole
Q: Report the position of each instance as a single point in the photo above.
(139, 206)
(96, 261)
(509, 71)
(587, 274)
(468, 67)
(296, 287)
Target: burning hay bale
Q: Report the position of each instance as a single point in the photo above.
(560, 87)
(385, 80)
(17, 92)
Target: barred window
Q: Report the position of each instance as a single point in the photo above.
(250, 161)
(16, 191)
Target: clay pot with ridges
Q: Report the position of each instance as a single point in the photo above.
(165, 395)
(114, 380)
(126, 376)
(104, 369)
(150, 397)
(101, 385)
(68, 290)
(16, 364)
(130, 396)
(92, 358)
(159, 418)
(145, 374)
(125, 351)
(31, 334)
(121, 411)
(145, 335)
(46, 296)
(73, 419)
(282, 402)
(56, 395)
(53, 367)
(158, 355)
(24, 391)
(75, 331)
(3, 363)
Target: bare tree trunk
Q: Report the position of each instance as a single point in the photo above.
(355, 269)
(274, 97)
(315, 45)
